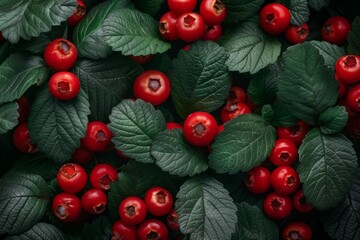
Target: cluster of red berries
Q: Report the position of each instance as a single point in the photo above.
(72, 180)
(134, 222)
(182, 22)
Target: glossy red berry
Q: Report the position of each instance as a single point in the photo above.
(172, 125)
(257, 180)
(233, 109)
(102, 175)
(212, 33)
(347, 69)
(158, 201)
(141, 59)
(299, 202)
(24, 109)
(167, 26)
(353, 98)
(213, 11)
(60, 54)
(152, 229)
(123, 231)
(132, 210)
(71, 178)
(285, 180)
(79, 13)
(97, 137)
(179, 7)
(190, 27)
(64, 85)
(237, 94)
(277, 206)
(274, 18)
(283, 153)
(82, 156)
(66, 207)
(294, 133)
(21, 139)
(172, 220)
(94, 201)
(335, 30)
(297, 34)
(200, 129)
(296, 230)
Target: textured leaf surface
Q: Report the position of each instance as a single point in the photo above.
(318, 4)
(237, 11)
(299, 10)
(245, 142)
(354, 37)
(41, 231)
(333, 120)
(330, 52)
(149, 6)
(327, 168)
(206, 211)
(8, 116)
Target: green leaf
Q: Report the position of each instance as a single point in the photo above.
(343, 222)
(250, 48)
(298, 9)
(160, 62)
(149, 6)
(318, 4)
(267, 113)
(245, 142)
(237, 11)
(57, 126)
(306, 87)
(206, 211)
(327, 168)
(8, 116)
(175, 155)
(135, 124)
(29, 18)
(18, 73)
(354, 37)
(4, 51)
(330, 52)
(88, 34)
(106, 82)
(133, 33)
(100, 229)
(333, 120)
(41, 231)
(199, 79)
(282, 117)
(134, 180)
(250, 220)
(23, 202)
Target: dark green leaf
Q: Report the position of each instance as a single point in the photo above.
(4, 51)
(206, 211)
(250, 48)
(149, 6)
(106, 82)
(318, 4)
(160, 62)
(298, 9)
(23, 201)
(28, 18)
(57, 126)
(41, 231)
(135, 124)
(333, 120)
(18, 73)
(343, 222)
(133, 33)
(88, 34)
(245, 142)
(282, 116)
(330, 52)
(254, 225)
(175, 155)
(199, 79)
(100, 229)
(8, 116)
(327, 168)
(237, 11)
(306, 87)
(354, 37)
(267, 113)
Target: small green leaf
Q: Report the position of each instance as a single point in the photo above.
(133, 33)
(175, 155)
(135, 124)
(282, 116)
(106, 82)
(199, 79)
(250, 48)
(250, 218)
(23, 202)
(267, 113)
(333, 120)
(41, 231)
(245, 142)
(149, 6)
(354, 37)
(237, 11)
(57, 126)
(28, 18)
(318, 4)
(327, 168)
(18, 73)
(8, 116)
(330, 52)
(299, 11)
(206, 211)
(306, 87)
(99, 229)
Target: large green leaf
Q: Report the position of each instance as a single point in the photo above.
(29, 18)
(206, 211)
(333, 120)
(99, 229)
(56, 127)
(23, 202)
(318, 4)
(250, 48)
(175, 155)
(306, 87)
(237, 11)
(149, 6)
(133, 33)
(41, 231)
(299, 10)
(88, 34)
(327, 168)
(354, 37)
(245, 142)
(135, 124)
(330, 52)
(18, 73)
(8, 116)
(250, 218)
(106, 82)
(199, 79)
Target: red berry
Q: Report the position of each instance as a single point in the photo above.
(172, 125)
(66, 207)
(212, 11)
(158, 201)
(94, 201)
(347, 69)
(122, 155)
(294, 133)
(167, 26)
(64, 85)
(342, 89)
(237, 94)
(232, 110)
(152, 229)
(190, 27)
(181, 6)
(335, 30)
(24, 109)
(21, 139)
(257, 180)
(283, 153)
(82, 156)
(60, 54)
(277, 206)
(132, 210)
(212, 33)
(141, 59)
(297, 34)
(79, 13)
(285, 180)
(71, 178)
(97, 137)
(102, 176)
(123, 231)
(353, 98)
(296, 230)
(300, 203)
(274, 18)
(172, 220)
